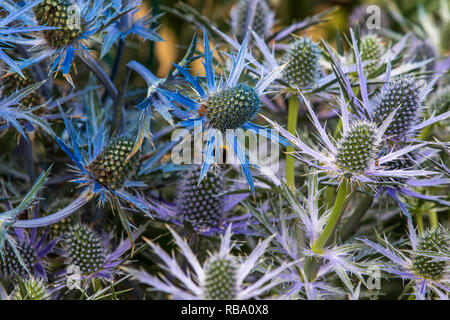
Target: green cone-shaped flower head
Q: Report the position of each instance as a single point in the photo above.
(372, 49)
(220, 278)
(58, 13)
(232, 107)
(358, 147)
(303, 68)
(201, 204)
(111, 168)
(262, 21)
(85, 249)
(434, 241)
(30, 288)
(404, 94)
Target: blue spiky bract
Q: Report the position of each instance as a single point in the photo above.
(303, 68)
(372, 48)
(404, 94)
(85, 249)
(232, 107)
(262, 21)
(220, 278)
(110, 168)
(31, 289)
(55, 13)
(432, 241)
(356, 150)
(11, 265)
(201, 204)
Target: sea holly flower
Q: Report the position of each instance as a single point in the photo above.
(222, 107)
(32, 249)
(425, 266)
(102, 171)
(221, 277)
(30, 288)
(91, 256)
(354, 155)
(303, 63)
(77, 25)
(404, 95)
(205, 205)
(11, 28)
(372, 50)
(201, 203)
(253, 14)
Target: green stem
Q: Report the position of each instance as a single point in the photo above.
(293, 105)
(342, 198)
(433, 219)
(419, 221)
(312, 264)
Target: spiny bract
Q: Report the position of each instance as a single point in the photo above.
(201, 204)
(404, 94)
(232, 107)
(58, 13)
(30, 289)
(433, 241)
(303, 68)
(262, 20)
(110, 167)
(371, 50)
(16, 82)
(220, 279)
(85, 249)
(357, 148)
(10, 264)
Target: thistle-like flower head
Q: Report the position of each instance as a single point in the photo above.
(263, 18)
(222, 105)
(303, 59)
(111, 167)
(403, 94)
(57, 13)
(30, 289)
(356, 150)
(85, 249)
(220, 278)
(425, 266)
(11, 263)
(372, 48)
(232, 107)
(201, 203)
(434, 241)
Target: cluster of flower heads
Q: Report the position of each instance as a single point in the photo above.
(96, 204)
